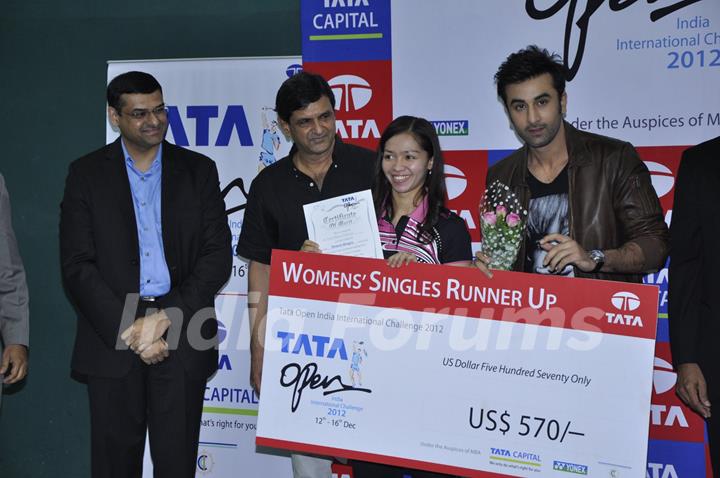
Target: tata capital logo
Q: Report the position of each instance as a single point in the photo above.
(342, 19)
(661, 176)
(352, 94)
(514, 456)
(205, 462)
(624, 302)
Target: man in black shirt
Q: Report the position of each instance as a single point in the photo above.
(592, 210)
(318, 167)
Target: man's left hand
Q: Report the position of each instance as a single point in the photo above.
(17, 356)
(145, 331)
(562, 250)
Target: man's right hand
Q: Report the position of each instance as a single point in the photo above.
(256, 363)
(692, 389)
(155, 353)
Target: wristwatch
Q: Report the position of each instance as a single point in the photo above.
(598, 258)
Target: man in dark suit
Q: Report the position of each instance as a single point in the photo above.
(694, 268)
(145, 246)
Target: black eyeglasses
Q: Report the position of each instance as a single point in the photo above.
(159, 112)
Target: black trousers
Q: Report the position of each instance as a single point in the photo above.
(159, 398)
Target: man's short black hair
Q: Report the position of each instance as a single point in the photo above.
(300, 90)
(530, 63)
(129, 83)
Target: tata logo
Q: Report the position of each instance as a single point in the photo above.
(625, 301)
(233, 124)
(659, 470)
(345, 3)
(661, 176)
(500, 452)
(293, 70)
(312, 345)
(664, 379)
(455, 181)
(351, 92)
(350, 199)
(455, 184)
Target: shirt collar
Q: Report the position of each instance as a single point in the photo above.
(418, 215)
(156, 162)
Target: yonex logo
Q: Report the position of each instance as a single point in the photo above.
(455, 182)
(625, 301)
(663, 376)
(351, 92)
(661, 176)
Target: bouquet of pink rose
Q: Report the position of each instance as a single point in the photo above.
(502, 221)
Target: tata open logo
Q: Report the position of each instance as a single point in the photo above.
(455, 182)
(352, 93)
(661, 176)
(625, 301)
(664, 377)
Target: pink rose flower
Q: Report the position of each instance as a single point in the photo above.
(489, 218)
(512, 219)
(501, 210)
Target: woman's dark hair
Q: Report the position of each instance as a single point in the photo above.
(434, 187)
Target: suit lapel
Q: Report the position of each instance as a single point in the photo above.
(169, 194)
(123, 194)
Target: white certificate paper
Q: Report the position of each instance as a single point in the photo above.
(345, 225)
(442, 369)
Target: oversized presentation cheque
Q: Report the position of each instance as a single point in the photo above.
(440, 368)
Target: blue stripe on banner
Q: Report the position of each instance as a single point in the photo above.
(676, 459)
(663, 330)
(495, 155)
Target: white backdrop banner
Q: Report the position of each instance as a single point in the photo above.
(223, 108)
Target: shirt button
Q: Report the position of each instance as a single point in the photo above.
(142, 179)
(312, 184)
(147, 254)
(147, 281)
(142, 203)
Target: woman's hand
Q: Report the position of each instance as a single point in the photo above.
(400, 259)
(482, 262)
(310, 246)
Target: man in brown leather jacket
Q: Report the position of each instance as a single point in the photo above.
(592, 210)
